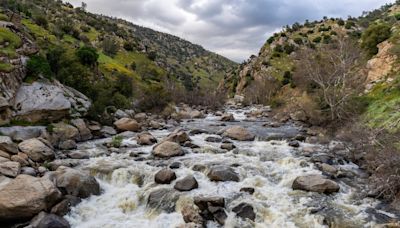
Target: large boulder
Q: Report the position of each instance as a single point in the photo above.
(84, 131)
(222, 173)
(7, 145)
(41, 101)
(315, 183)
(239, 133)
(127, 124)
(74, 182)
(10, 168)
(26, 196)
(37, 149)
(245, 211)
(146, 139)
(20, 133)
(167, 149)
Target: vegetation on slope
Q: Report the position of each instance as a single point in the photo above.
(112, 61)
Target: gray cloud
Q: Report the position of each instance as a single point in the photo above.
(233, 28)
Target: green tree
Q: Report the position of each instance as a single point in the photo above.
(110, 46)
(37, 66)
(87, 55)
(374, 35)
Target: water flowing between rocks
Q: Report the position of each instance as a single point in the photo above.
(269, 166)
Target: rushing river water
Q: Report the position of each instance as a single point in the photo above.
(126, 177)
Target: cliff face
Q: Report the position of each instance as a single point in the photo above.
(11, 79)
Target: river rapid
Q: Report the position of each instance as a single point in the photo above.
(267, 164)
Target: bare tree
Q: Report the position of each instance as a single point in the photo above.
(335, 70)
(261, 91)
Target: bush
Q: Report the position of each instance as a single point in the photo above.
(110, 46)
(374, 35)
(288, 48)
(116, 141)
(152, 55)
(37, 67)
(270, 40)
(349, 24)
(317, 39)
(287, 78)
(41, 21)
(129, 46)
(298, 40)
(87, 55)
(133, 65)
(341, 22)
(278, 48)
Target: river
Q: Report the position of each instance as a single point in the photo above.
(126, 176)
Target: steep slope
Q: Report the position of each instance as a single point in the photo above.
(112, 61)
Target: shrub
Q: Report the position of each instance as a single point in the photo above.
(270, 40)
(287, 78)
(374, 35)
(152, 55)
(153, 97)
(341, 22)
(278, 48)
(288, 48)
(327, 39)
(317, 39)
(298, 40)
(41, 21)
(116, 141)
(349, 24)
(37, 67)
(110, 46)
(87, 55)
(129, 46)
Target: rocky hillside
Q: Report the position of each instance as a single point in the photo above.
(92, 58)
(273, 77)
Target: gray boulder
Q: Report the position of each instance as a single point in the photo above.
(45, 220)
(167, 149)
(84, 131)
(186, 184)
(19, 133)
(222, 173)
(315, 183)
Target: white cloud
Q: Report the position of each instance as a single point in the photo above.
(233, 28)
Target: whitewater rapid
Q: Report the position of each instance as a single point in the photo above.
(126, 177)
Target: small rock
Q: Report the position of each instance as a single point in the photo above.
(7, 145)
(64, 207)
(108, 131)
(10, 168)
(248, 190)
(84, 131)
(78, 155)
(222, 173)
(228, 146)
(213, 139)
(239, 133)
(21, 158)
(227, 117)
(191, 214)
(146, 139)
(189, 144)
(68, 145)
(127, 124)
(197, 132)
(28, 171)
(294, 144)
(199, 168)
(167, 149)
(175, 165)
(186, 184)
(45, 220)
(164, 176)
(245, 211)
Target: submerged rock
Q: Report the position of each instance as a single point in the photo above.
(245, 211)
(239, 133)
(167, 149)
(64, 207)
(227, 117)
(315, 183)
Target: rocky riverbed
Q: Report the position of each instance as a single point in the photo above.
(226, 169)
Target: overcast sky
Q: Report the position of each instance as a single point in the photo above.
(233, 28)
